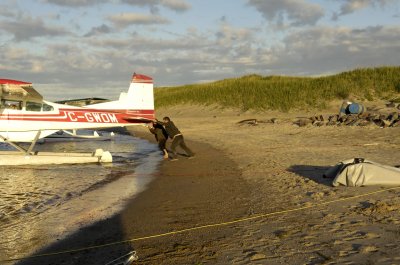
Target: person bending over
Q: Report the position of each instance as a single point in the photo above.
(161, 137)
(177, 138)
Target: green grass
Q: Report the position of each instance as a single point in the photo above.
(284, 92)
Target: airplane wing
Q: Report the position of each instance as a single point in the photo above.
(20, 89)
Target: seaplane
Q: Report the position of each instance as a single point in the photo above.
(25, 117)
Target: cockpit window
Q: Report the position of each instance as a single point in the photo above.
(11, 104)
(33, 106)
(47, 107)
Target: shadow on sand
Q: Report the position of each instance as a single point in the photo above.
(314, 173)
(91, 244)
(86, 241)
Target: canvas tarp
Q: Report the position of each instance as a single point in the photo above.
(359, 172)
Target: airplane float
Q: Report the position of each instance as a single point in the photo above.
(26, 117)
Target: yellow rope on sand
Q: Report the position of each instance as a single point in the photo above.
(200, 227)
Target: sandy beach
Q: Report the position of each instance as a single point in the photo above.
(270, 173)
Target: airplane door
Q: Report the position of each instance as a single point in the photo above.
(8, 107)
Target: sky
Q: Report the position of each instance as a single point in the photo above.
(90, 48)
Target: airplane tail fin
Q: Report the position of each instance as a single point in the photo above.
(138, 101)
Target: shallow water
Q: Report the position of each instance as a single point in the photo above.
(41, 204)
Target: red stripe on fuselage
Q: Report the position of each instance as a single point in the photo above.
(87, 115)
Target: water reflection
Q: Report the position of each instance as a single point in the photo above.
(41, 204)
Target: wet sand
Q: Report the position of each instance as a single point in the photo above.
(185, 193)
(244, 170)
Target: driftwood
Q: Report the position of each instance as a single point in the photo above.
(368, 118)
(254, 122)
(248, 122)
(363, 119)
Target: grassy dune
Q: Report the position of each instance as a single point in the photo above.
(284, 92)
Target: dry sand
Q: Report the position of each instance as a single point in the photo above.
(242, 171)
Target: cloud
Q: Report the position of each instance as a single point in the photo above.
(72, 59)
(295, 12)
(103, 29)
(229, 36)
(125, 19)
(78, 65)
(328, 49)
(20, 61)
(351, 6)
(176, 5)
(27, 28)
(6, 11)
(75, 3)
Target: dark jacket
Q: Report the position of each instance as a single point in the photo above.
(159, 132)
(171, 129)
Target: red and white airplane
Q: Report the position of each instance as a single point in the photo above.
(26, 117)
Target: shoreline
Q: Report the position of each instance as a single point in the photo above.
(184, 194)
